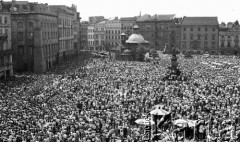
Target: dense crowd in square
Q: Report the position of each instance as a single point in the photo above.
(94, 100)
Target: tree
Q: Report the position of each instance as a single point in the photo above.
(236, 23)
(140, 54)
(153, 53)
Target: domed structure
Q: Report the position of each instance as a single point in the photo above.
(136, 38)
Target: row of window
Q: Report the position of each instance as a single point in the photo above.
(29, 24)
(65, 44)
(199, 36)
(4, 19)
(195, 46)
(49, 35)
(113, 37)
(66, 22)
(99, 29)
(199, 29)
(65, 32)
(50, 49)
(236, 44)
(113, 32)
(229, 36)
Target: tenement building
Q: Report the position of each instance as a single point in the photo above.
(229, 40)
(6, 66)
(127, 24)
(65, 17)
(90, 34)
(84, 35)
(157, 30)
(199, 35)
(113, 32)
(99, 36)
(34, 36)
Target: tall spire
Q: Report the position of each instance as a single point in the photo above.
(140, 14)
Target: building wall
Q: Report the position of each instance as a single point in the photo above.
(91, 41)
(127, 25)
(229, 41)
(199, 39)
(84, 35)
(65, 33)
(113, 33)
(156, 32)
(99, 35)
(34, 32)
(6, 67)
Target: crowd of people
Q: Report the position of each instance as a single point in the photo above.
(99, 100)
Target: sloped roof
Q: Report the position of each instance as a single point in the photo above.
(200, 21)
(148, 17)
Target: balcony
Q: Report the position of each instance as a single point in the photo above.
(6, 52)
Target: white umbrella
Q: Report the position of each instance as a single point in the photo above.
(144, 122)
(180, 122)
(159, 112)
(191, 123)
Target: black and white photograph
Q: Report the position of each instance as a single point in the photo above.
(119, 71)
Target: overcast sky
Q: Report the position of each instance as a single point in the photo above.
(227, 10)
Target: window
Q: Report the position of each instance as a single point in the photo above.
(213, 45)
(20, 50)
(5, 20)
(184, 44)
(236, 43)
(205, 44)
(6, 32)
(199, 37)
(20, 25)
(30, 36)
(213, 37)
(1, 20)
(191, 36)
(20, 36)
(206, 29)
(214, 29)
(229, 44)
(206, 37)
(30, 24)
(191, 29)
(184, 29)
(222, 44)
(199, 29)
(184, 36)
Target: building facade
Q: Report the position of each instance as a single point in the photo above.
(157, 30)
(34, 37)
(127, 24)
(6, 66)
(66, 18)
(91, 39)
(199, 35)
(113, 33)
(84, 35)
(77, 32)
(99, 36)
(229, 40)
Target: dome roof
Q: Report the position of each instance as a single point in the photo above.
(136, 38)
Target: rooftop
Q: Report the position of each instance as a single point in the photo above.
(148, 17)
(200, 21)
